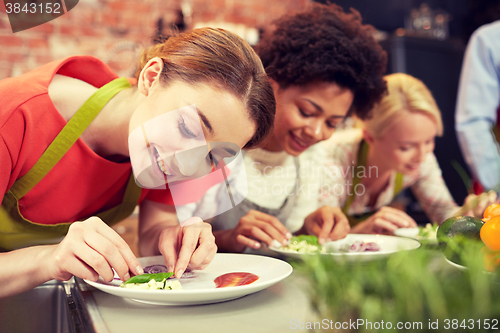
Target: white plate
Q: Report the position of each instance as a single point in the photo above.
(413, 233)
(388, 245)
(198, 287)
(460, 267)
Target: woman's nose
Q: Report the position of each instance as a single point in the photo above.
(191, 161)
(421, 154)
(315, 130)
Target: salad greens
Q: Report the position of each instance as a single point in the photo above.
(304, 244)
(310, 239)
(429, 231)
(145, 278)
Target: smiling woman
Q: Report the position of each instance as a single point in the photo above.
(323, 64)
(397, 143)
(67, 150)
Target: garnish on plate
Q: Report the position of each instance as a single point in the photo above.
(429, 231)
(235, 279)
(152, 281)
(304, 244)
(359, 246)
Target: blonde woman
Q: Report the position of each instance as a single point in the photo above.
(393, 150)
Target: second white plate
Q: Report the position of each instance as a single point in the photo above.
(413, 233)
(388, 245)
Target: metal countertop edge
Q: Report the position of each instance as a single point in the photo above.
(91, 320)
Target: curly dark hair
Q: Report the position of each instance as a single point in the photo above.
(325, 44)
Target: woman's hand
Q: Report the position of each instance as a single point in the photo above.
(252, 229)
(328, 223)
(474, 205)
(191, 245)
(384, 221)
(89, 250)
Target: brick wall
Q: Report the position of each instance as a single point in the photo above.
(116, 30)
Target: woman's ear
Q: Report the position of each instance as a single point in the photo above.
(149, 75)
(275, 86)
(368, 137)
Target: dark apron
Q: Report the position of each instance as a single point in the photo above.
(230, 218)
(15, 230)
(361, 162)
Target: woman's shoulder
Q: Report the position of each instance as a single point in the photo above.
(343, 145)
(30, 87)
(344, 138)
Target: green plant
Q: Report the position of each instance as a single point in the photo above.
(416, 286)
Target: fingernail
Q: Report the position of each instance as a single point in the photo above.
(321, 240)
(257, 245)
(288, 235)
(170, 268)
(179, 273)
(275, 243)
(139, 270)
(126, 276)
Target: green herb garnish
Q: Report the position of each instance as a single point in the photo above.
(310, 239)
(429, 231)
(145, 278)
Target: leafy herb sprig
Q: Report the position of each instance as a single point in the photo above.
(145, 278)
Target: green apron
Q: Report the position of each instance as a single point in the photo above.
(15, 230)
(362, 155)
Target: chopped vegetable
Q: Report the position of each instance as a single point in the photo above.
(310, 239)
(304, 244)
(153, 269)
(154, 285)
(429, 231)
(359, 246)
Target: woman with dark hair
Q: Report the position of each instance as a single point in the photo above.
(323, 64)
(72, 132)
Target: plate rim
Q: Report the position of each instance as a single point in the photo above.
(417, 237)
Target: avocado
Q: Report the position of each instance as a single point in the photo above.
(454, 232)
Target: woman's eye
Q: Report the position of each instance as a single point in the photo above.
(404, 148)
(185, 130)
(304, 114)
(331, 125)
(210, 159)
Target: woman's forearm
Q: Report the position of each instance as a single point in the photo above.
(153, 219)
(23, 269)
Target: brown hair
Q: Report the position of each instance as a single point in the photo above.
(219, 57)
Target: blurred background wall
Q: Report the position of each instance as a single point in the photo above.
(116, 30)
